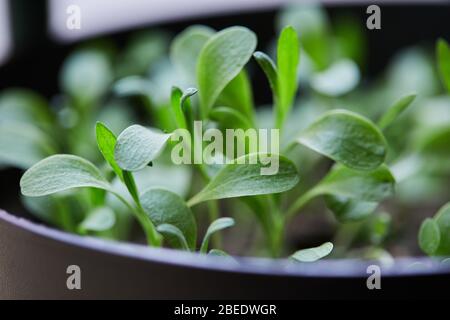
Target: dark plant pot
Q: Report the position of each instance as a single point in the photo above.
(34, 260)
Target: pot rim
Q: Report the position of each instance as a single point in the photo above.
(340, 268)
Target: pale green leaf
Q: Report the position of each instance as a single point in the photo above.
(313, 254)
(216, 226)
(339, 79)
(186, 48)
(86, 75)
(22, 145)
(238, 180)
(24, 106)
(347, 138)
(172, 231)
(59, 173)
(137, 146)
(369, 186)
(221, 60)
(165, 207)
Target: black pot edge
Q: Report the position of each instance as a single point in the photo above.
(346, 268)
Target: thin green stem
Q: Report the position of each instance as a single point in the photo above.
(153, 237)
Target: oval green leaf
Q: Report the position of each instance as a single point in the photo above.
(137, 146)
(347, 138)
(370, 186)
(239, 180)
(339, 79)
(22, 145)
(173, 232)
(86, 75)
(216, 226)
(221, 60)
(442, 219)
(59, 173)
(186, 48)
(165, 207)
(429, 236)
(313, 254)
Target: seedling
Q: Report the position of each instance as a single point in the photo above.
(338, 147)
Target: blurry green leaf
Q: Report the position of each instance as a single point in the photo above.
(218, 253)
(22, 145)
(106, 141)
(288, 57)
(221, 60)
(133, 85)
(348, 138)
(59, 173)
(350, 38)
(101, 219)
(395, 111)
(86, 76)
(349, 210)
(313, 254)
(185, 50)
(380, 225)
(270, 70)
(442, 219)
(172, 231)
(370, 186)
(238, 95)
(311, 23)
(238, 180)
(443, 58)
(229, 118)
(137, 146)
(400, 79)
(143, 50)
(434, 143)
(340, 78)
(24, 106)
(429, 236)
(215, 226)
(165, 207)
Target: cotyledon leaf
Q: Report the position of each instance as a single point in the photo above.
(217, 225)
(165, 207)
(429, 236)
(244, 178)
(313, 254)
(347, 138)
(59, 173)
(106, 142)
(137, 146)
(221, 60)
